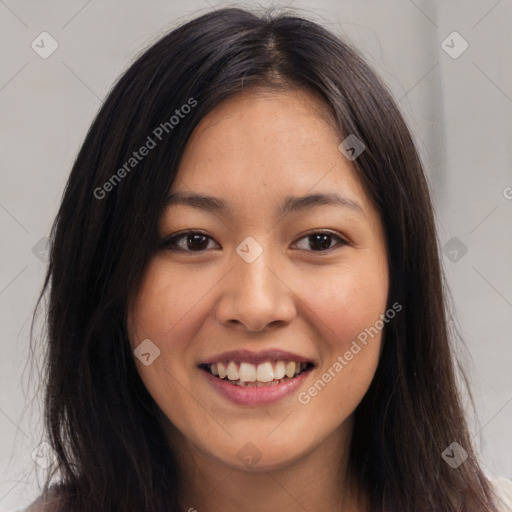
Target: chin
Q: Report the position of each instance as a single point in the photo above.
(258, 453)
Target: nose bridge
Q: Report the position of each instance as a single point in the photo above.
(253, 263)
(256, 295)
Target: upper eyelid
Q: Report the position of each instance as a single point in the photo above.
(168, 239)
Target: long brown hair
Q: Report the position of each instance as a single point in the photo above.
(101, 421)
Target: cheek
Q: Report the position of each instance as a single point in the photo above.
(346, 301)
(167, 301)
(167, 311)
(349, 308)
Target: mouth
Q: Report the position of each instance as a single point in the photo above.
(257, 375)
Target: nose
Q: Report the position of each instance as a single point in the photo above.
(255, 295)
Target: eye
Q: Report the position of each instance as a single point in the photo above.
(188, 241)
(321, 241)
(196, 241)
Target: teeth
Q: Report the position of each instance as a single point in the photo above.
(222, 370)
(279, 370)
(265, 372)
(247, 372)
(232, 371)
(290, 369)
(268, 372)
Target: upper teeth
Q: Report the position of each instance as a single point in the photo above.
(264, 372)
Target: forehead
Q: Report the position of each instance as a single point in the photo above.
(255, 118)
(267, 145)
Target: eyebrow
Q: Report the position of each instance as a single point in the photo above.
(290, 203)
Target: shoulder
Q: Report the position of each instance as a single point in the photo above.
(49, 501)
(503, 489)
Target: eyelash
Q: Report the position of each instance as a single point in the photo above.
(169, 242)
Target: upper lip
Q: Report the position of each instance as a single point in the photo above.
(247, 356)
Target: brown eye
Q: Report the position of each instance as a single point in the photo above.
(195, 241)
(190, 241)
(321, 241)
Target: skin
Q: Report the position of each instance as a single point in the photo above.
(253, 150)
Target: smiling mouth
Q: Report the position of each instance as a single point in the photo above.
(268, 373)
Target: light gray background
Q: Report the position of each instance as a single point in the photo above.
(460, 111)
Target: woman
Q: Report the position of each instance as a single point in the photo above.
(246, 303)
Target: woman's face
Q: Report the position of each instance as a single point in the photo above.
(273, 283)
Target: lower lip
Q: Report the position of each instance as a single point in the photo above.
(252, 395)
